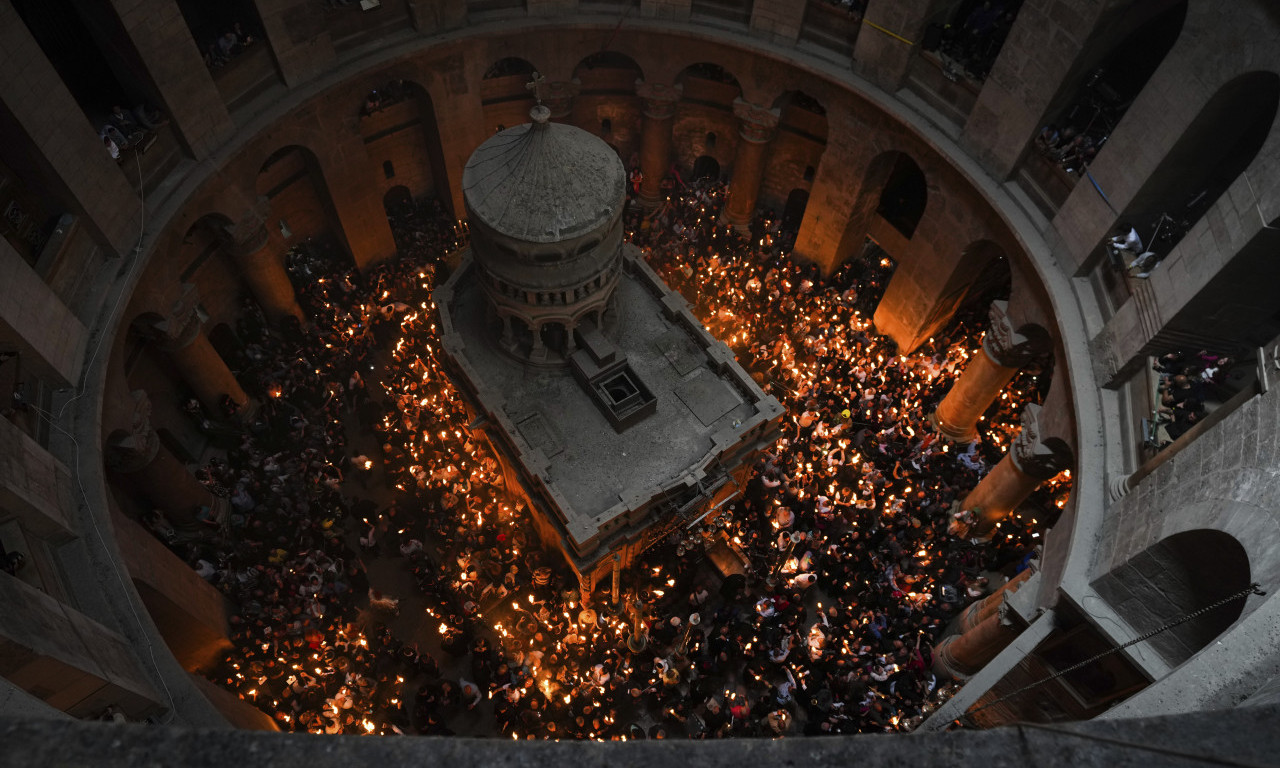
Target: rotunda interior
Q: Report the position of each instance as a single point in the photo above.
(1003, 267)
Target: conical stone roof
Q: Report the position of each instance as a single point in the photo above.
(544, 182)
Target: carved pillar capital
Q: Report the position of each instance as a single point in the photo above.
(756, 124)
(182, 323)
(249, 234)
(1007, 345)
(659, 100)
(135, 449)
(1031, 453)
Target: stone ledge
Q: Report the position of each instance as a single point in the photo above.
(1243, 735)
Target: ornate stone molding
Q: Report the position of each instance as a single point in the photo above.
(1031, 453)
(249, 234)
(659, 101)
(1005, 344)
(183, 322)
(136, 449)
(756, 124)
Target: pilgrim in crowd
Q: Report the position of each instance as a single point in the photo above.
(385, 579)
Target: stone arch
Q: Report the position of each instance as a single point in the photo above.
(403, 141)
(798, 145)
(980, 276)
(705, 167)
(299, 203)
(508, 66)
(1212, 152)
(793, 209)
(396, 197)
(904, 195)
(504, 99)
(1181, 573)
(609, 71)
(708, 92)
(711, 72)
(1113, 71)
(866, 220)
(605, 101)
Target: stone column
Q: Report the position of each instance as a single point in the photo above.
(200, 365)
(559, 99)
(961, 656)
(190, 612)
(44, 111)
(756, 127)
(983, 609)
(882, 55)
(659, 109)
(299, 39)
(1030, 461)
(163, 42)
(1004, 351)
(263, 270)
(67, 659)
(141, 459)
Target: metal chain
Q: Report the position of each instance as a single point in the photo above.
(1252, 589)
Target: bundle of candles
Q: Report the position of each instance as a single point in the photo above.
(850, 573)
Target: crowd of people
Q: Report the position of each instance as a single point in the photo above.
(129, 130)
(1187, 382)
(970, 47)
(359, 463)
(228, 44)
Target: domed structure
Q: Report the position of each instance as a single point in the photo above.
(544, 201)
(575, 430)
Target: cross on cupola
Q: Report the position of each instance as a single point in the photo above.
(535, 85)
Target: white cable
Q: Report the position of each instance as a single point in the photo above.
(50, 419)
(137, 259)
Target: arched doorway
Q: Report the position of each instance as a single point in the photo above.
(403, 141)
(793, 210)
(1089, 105)
(704, 122)
(904, 195)
(1176, 576)
(706, 167)
(606, 103)
(397, 199)
(796, 150)
(504, 98)
(302, 220)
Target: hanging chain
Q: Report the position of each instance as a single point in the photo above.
(1252, 589)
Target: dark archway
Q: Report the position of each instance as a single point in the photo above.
(1212, 152)
(705, 111)
(401, 136)
(300, 204)
(504, 97)
(904, 196)
(980, 276)
(793, 211)
(797, 146)
(1176, 576)
(397, 198)
(1112, 70)
(607, 72)
(706, 167)
(511, 65)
